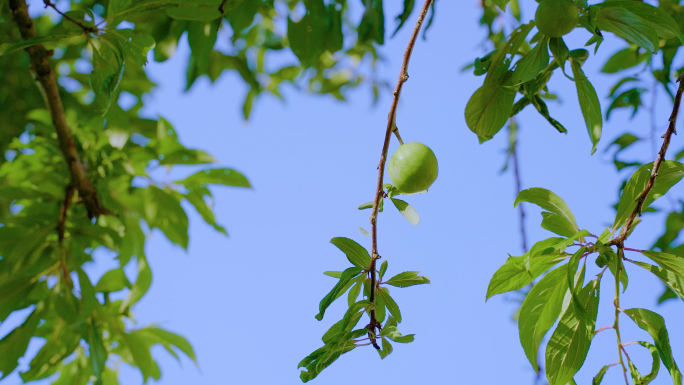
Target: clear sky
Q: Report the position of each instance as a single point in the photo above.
(247, 302)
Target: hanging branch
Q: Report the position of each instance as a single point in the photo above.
(40, 65)
(619, 241)
(391, 127)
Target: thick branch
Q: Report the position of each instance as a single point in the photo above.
(656, 165)
(40, 64)
(391, 127)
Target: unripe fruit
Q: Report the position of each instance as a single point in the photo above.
(412, 168)
(555, 18)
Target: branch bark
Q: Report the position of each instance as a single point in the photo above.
(391, 127)
(45, 75)
(667, 137)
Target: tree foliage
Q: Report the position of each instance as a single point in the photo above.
(81, 173)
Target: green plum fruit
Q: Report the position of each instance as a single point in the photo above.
(412, 168)
(555, 18)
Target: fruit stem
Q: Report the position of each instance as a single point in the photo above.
(391, 127)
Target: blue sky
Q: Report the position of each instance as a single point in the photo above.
(247, 302)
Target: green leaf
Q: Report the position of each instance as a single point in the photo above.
(543, 110)
(356, 254)
(339, 288)
(567, 349)
(599, 376)
(655, 366)
(638, 23)
(671, 278)
(380, 306)
(88, 300)
(141, 285)
(407, 278)
(386, 349)
(139, 347)
(589, 103)
(306, 44)
(372, 26)
(520, 271)
(531, 64)
(654, 324)
(134, 45)
(383, 269)
(186, 156)
(573, 283)
(98, 353)
(560, 220)
(337, 330)
(222, 176)
(71, 38)
(498, 69)
(389, 302)
(61, 343)
(540, 310)
(407, 211)
(354, 293)
(108, 65)
(13, 345)
(196, 198)
(669, 174)
(201, 38)
(350, 314)
(194, 12)
(612, 265)
(624, 59)
(165, 212)
(322, 358)
(559, 51)
(169, 340)
(501, 4)
(401, 19)
(15, 295)
(488, 110)
(111, 281)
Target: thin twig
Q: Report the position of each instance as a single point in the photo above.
(222, 9)
(40, 64)
(69, 193)
(518, 184)
(656, 165)
(85, 28)
(616, 302)
(391, 127)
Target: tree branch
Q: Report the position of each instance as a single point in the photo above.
(84, 27)
(391, 127)
(40, 64)
(656, 165)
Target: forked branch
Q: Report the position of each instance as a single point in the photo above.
(391, 127)
(40, 64)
